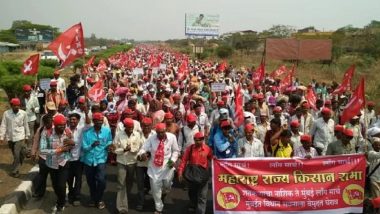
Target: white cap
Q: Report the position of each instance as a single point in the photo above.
(223, 111)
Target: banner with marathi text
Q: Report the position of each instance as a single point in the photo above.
(330, 184)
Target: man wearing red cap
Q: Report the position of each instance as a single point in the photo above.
(307, 118)
(142, 178)
(61, 85)
(94, 146)
(296, 134)
(126, 145)
(56, 146)
(54, 95)
(171, 126)
(249, 146)
(224, 142)
(164, 151)
(31, 106)
(186, 135)
(202, 119)
(355, 125)
(198, 154)
(306, 150)
(14, 129)
(370, 114)
(342, 146)
(323, 131)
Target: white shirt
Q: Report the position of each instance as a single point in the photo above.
(202, 121)
(323, 132)
(186, 137)
(32, 107)
(253, 149)
(14, 127)
(61, 85)
(121, 141)
(77, 137)
(374, 159)
(301, 152)
(171, 152)
(145, 163)
(296, 140)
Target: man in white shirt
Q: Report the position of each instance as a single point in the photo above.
(306, 150)
(186, 134)
(323, 131)
(249, 146)
(15, 130)
(164, 153)
(31, 107)
(126, 144)
(296, 134)
(61, 85)
(202, 119)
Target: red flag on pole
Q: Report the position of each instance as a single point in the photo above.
(278, 72)
(183, 68)
(30, 66)
(222, 66)
(97, 93)
(356, 102)
(239, 115)
(102, 66)
(259, 75)
(311, 97)
(346, 82)
(90, 61)
(69, 45)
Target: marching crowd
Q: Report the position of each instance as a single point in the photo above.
(167, 122)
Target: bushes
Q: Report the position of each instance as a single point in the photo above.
(12, 80)
(224, 51)
(49, 63)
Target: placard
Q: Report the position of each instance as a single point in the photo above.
(218, 87)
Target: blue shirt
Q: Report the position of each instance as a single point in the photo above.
(92, 156)
(222, 147)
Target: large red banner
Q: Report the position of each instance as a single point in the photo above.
(330, 184)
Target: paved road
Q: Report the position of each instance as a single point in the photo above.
(176, 202)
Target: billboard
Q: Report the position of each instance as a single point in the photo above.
(33, 35)
(306, 49)
(199, 24)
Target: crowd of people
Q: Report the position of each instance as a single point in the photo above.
(154, 125)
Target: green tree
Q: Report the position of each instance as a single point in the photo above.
(279, 31)
(224, 51)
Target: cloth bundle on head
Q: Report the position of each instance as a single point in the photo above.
(59, 119)
(51, 106)
(15, 101)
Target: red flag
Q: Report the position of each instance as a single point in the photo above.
(222, 66)
(97, 93)
(239, 116)
(288, 80)
(90, 61)
(183, 68)
(280, 70)
(259, 75)
(356, 102)
(311, 97)
(346, 83)
(229, 197)
(69, 45)
(102, 66)
(30, 66)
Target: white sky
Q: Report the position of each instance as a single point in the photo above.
(164, 19)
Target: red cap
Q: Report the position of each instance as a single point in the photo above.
(160, 127)
(147, 121)
(81, 100)
(53, 83)
(128, 122)
(174, 84)
(260, 96)
(128, 111)
(326, 111)
(176, 96)
(339, 128)
(225, 123)
(220, 103)
(56, 72)
(277, 109)
(147, 97)
(371, 103)
(199, 135)
(295, 123)
(191, 118)
(348, 132)
(27, 88)
(97, 116)
(145, 78)
(59, 119)
(328, 102)
(376, 202)
(306, 138)
(249, 127)
(305, 105)
(15, 101)
(169, 115)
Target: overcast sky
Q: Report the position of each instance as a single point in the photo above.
(164, 19)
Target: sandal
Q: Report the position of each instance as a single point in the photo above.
(101, 205)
